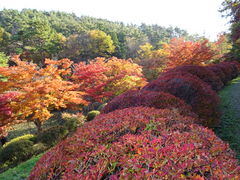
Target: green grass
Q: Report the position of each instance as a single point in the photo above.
(20, 172)
(229, 129)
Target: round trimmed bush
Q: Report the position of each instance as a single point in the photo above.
(234, 68)
(72, 121)
(218, 72)
(227, 70)
(29, 137)
(52, 135)
(92, 114)
(139, 143)
(158, 100)
(237, 64)
(202, 73)
(193, 91)
(16, 152)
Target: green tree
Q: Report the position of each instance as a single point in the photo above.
(3, 59)
(231, 8)
(5, 38)
(41, 40)
(96, 43)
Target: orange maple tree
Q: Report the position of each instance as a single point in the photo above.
(182, 52)
(40, 90)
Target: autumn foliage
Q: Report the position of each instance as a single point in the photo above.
(228, 69)
(182, 52)
(218, 72)
(202, 73)
(6, 111)
(150, 134)
(193, 91)
(40, 90)
(158, 100)
(91, 79)
(104, 78)
(139, 143)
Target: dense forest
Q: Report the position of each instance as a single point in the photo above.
(40, 34)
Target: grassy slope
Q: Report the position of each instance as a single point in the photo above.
(20, 172)
(229, 129)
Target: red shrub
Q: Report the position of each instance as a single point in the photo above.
(227, 70)
(237, 65)
(139, 143)
(218, 72)
(158, 100)
(234, 67)
(193, 91)
(202, 73)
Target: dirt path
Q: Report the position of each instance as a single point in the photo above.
(229, 129)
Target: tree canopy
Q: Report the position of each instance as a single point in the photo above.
(40, 34)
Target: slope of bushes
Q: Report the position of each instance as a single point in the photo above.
(202, 73)
(147, 143)
(138, 142)
(158, 100)
(193, 91)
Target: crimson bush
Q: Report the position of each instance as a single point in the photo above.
(234, 67)
(227, 70)
(202, 73)
(193, 91)
(218, 72)
(139, 143)
(158, 100)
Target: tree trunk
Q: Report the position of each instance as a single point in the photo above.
(39, 125)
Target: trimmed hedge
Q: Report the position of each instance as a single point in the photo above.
(193, 91)
(52, 135)
(158, 100)
(92, 114)
(18, 150)
(139, 143)
(202, 73)
(29, 137)
(227, 70)
(218, 72)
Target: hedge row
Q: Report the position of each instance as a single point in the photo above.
(151, 134)
(158, 100)
(193, 91)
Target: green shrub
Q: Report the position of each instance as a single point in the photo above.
(29, 137)
(92, 114)
(15, 152)
(72, 121)
(39, 148)
(101, 106)
(52, 135)
(3, 59)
